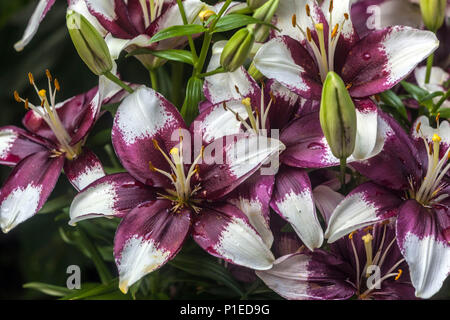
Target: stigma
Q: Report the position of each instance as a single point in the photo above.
(183, 194)
(48, 112)
(324, 59)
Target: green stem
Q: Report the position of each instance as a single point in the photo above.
(441, 102)
(185, 21)
(430, 61)
(202, 58)
(102, 269)
(154, 78)
(177, 82)
(343, 169)
(211, 73)
(117, 81)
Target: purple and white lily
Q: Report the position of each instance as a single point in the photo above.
(271, 110)
(53, 140)
(367, 264)
(437, 82)
(320, 39)
(411, 182)
(165, 196)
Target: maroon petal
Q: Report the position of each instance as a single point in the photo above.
(111, 196)
(17, 144)
(318, 275)
(84, 170)
(27, 188)
(385, 57)
(144, 117)
(148, 237)
(424, 245)
(285, 105)
(293, 200)
(225, 232)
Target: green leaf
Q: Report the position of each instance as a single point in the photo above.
(417, 92)
(48, 289)
(445, 113)
(431, 96)
(171, 54)
(177, 31)
(234, 21)
(90, 290)
(391, 99)
(206, 268)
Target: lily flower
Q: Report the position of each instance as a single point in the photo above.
(366, 265)
(318, 39)
(236, 103)
(53, 140)
(438, 79)
(165, 196)
(410, 182)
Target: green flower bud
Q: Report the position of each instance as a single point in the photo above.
(338, 117)
(264, 13)
(433, 13)
(237, 49)
(89, 43)
(255, 4)
(255, 73)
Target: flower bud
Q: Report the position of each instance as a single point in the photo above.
(264, 13)
(237, 49)
(338, 117)
(433, 13)
(255, 4)
(88, 42)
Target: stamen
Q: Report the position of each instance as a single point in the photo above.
(308, 10)
(335, 30)
(42, 93)
(49, 75)
(368, 246)
(57, 86)
(294, 20)
(308, 33)
(17, 97)
(418, 127)
(400, 272)
(323, 52)
(31, 78)
(27, 105)
(331, 6)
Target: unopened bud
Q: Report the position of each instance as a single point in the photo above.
(255, 4)
(237, 49)
(264, 13)
(255, 73)
(433, 13)
(88, 42)
(338, 117)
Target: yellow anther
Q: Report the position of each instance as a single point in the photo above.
(57, 86)
(156, 144)
(247, 102)
(400, 272)
(335, 30)
(17, 97)
(348, 86)
(174, 177)
(294, 20)
(418, 127)
(367, 238)
(175, 151)
(346, 16)
(330, 9)
(438, 117)
(308, 34)
(30, 78)
(27, 106)
(319, 27)
(308, 10)
(205, 14)
(350, 236)
(225, 106)
(49, 75)
(367, 229)
(436, 138)
(151, 166)
(42, 93)
(202, 152)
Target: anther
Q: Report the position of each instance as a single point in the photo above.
(400, 272)
(155, 144)
(237, 89)
(31, 78)
(331, 7)
(151, 166)
(437, 118)
(350, 236)
(42, 93)
(308, 10)
(294, 20)
(348, 86)
(346, 16)
(17, 97)
(335, 30)
(247, 102)
(308, 33)
(57, 86)
(225, 106)
(49, 75)
(27, 106)
(367, 229)
(418, 127)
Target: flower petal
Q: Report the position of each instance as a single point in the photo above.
(252, 197)
(285, 60)
(293, 200)
(428, 132)
(326, 200)
(225, 232)
(111, 196)
(146, 239)
(227, 86)
(17, 144)
(424, 246)
(365, 205)
(384, 58)
(309, 276)
(231, 160)
(38, 15)
(27, 188)
(84, 170)
(284, 106)
(142, 117)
